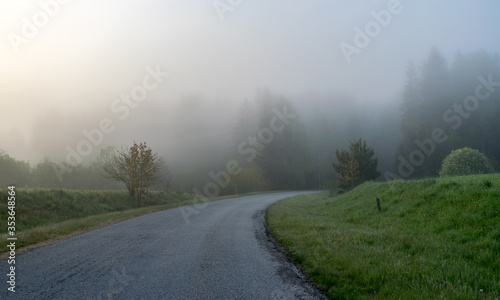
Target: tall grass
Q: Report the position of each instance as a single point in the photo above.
(434, 239)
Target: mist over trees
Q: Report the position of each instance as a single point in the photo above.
(278, 141)
(12, 170)
(45, 175)
(458, 103)
(283, 154)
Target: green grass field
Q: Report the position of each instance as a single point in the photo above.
(434, 239)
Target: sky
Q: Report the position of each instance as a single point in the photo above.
(64, 64)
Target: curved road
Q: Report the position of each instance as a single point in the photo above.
(222, 252)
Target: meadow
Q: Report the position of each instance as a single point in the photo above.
(436, 238)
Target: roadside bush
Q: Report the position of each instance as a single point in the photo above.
(465, 161)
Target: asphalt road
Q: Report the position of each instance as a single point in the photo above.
(222, 252)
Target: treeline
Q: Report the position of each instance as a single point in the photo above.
(49, 174)
(277, 146)
(442, 107)
(266, 148)
(274, 143)
(446, 107)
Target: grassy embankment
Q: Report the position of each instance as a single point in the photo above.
(434, 239)
(46, 215)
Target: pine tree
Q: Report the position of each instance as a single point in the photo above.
(284, 157)
(356, 165)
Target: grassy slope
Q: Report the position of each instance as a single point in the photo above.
(435, 238)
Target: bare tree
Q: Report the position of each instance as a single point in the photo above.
(137, 167)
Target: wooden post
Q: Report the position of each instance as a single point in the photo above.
(378, 204)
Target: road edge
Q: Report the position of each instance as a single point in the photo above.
(288, 271)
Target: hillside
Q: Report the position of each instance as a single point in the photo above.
(434, 238)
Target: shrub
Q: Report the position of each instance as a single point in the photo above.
(465, 161)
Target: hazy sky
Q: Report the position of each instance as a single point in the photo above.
(88, 53)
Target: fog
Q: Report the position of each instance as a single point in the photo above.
(70, 71)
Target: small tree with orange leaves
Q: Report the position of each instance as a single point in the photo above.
(137, 167)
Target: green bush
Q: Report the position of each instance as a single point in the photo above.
(465, 161)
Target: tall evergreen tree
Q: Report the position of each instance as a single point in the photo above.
(246, 124)
(445, 98)
(423, 102)
(320, 137)
(283, 155)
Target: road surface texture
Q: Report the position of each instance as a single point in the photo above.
(223, 252)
